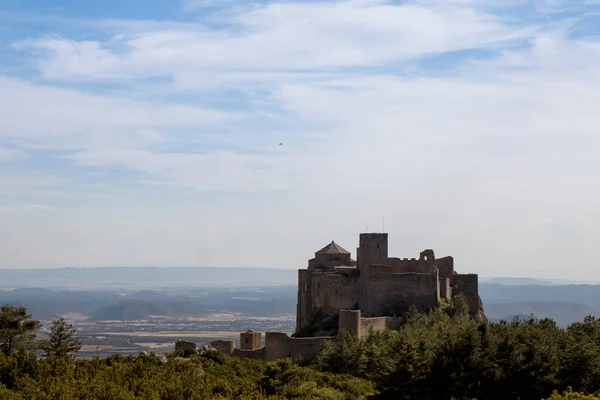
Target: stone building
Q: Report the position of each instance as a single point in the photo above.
(337, 294)
(376, 284)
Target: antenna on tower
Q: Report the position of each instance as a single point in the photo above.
(383, 224)
(367, 229)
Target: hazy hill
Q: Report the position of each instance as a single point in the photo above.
(133, 310)
(144, 277)
(125, 293)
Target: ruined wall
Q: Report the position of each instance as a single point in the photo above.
(376, 324)
(468, 285)
(383, 293)
(280, 345)
(258, 354)
(446, 266)
(410, 265)
(182, 345)
(224, 346)
(445, 288)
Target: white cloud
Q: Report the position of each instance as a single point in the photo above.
(282, 36)
(492, 160)
(34, 115)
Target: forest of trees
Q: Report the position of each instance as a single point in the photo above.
(443, 354)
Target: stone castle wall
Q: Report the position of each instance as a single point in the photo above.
(280, 345)
(258, 354)
(224, 346)
(385, 293)
(182, 345)
(277, 345)
(468, 285)
(326, 291)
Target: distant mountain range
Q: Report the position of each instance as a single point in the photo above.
(138, 278)
(137, 293)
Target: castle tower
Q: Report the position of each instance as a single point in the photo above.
(373, 249)
(250, 340)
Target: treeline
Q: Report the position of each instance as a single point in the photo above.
(32, 369)
(443, 355)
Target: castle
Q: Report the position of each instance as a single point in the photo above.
(373, 292)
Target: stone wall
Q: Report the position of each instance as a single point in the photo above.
(182, 345)
(224, 346)
(280, 345)
(277, 345)
(384, 293)
(304, 307)
(467, 284)
(326, 291)
(258, 354)
(446, 266)
(378, 324)
(445, 288)
(350, 321)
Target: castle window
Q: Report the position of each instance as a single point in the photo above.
(246, 340)
(377, 245)
(305, 288)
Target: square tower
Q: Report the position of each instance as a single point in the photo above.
(250, 340)
(373, 249)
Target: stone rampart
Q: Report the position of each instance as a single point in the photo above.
(281, 345)
(224, 346)
(258, 354)
(182, 345)
(378, 324)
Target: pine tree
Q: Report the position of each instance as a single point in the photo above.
(62, 341)
(16, 328)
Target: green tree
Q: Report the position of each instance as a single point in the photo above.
(62, 341)
(570, 395)
(16, 328)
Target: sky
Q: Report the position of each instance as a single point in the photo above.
(229, 133)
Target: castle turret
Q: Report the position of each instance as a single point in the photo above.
(373, 249)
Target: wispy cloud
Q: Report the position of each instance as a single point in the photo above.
(282, 37)
(10, 154)
(469, 124)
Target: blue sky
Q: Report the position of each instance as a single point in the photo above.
(147, 133)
